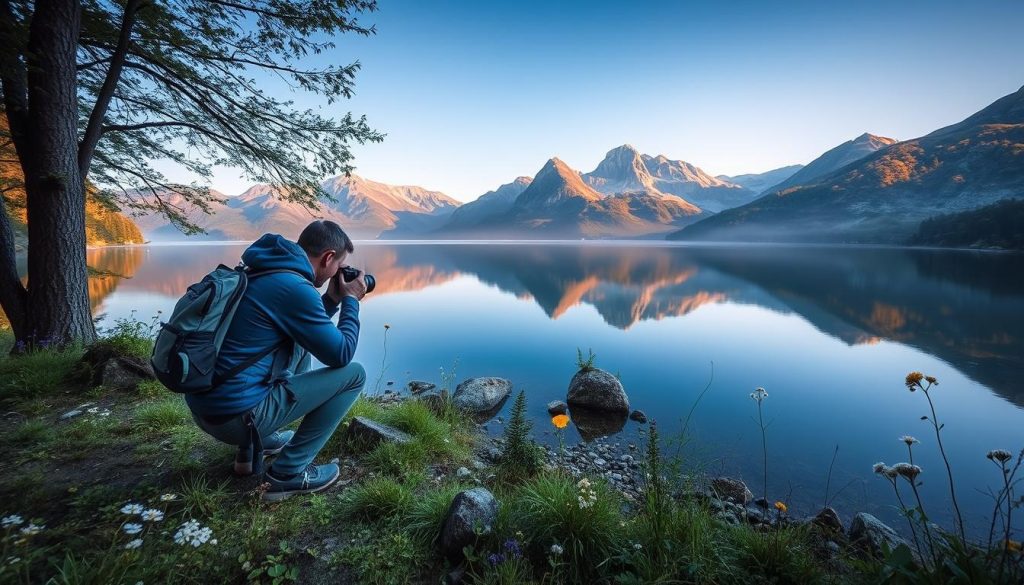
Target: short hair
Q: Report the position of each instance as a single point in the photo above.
(323, 235)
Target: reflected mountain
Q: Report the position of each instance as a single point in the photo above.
(966, 308)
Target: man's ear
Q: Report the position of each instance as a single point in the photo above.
(326, 258)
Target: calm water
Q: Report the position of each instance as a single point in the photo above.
(829, 332)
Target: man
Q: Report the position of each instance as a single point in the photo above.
(283, 309)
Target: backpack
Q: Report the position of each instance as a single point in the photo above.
(187, 345)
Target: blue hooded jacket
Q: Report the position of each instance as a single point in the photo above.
(276, 308)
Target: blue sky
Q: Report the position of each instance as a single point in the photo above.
(473, 94)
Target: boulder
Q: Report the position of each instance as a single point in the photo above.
(481, 395)
(417, 386)
(114, 369)
(829, 520)
(638, 416)
(596, 389)
(869, 534)
(433, 400)
(472, 513)
(731, 490)
(556, 407)
(370, 432)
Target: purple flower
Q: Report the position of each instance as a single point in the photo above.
(496, 559)
(512, 546)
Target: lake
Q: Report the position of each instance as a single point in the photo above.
(830, 333)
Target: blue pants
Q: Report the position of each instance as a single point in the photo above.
(321, 398)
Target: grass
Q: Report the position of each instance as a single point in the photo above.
(376, 498)
(35, 374)
(160, 417)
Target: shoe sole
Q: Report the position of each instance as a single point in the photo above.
(243, 469)
(278, 496)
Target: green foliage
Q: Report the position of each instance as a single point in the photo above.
(273, 569)
(780, 556)
(201, 498)
(389, 558)
(160, 417)
(38, 373)
(999, 225)
(522, 456)
(131, 336)
(553, 508)
(585, 364)
(151, 389)
(378, 497)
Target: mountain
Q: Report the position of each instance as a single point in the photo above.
(490, 204)
(624, 169)
(840, 156)
(759, 182)
(998, 226)
(883, 197)
(364, 208)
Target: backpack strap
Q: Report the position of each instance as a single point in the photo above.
(239, 368)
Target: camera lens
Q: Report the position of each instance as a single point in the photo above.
(371, 282)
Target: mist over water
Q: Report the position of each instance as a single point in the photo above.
(830, 332)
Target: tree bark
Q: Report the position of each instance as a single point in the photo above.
(57, 308)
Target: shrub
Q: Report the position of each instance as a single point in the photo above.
(521, 456)
(131, 336)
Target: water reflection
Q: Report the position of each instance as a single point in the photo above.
(965, 308)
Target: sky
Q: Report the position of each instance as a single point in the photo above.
(473, 94)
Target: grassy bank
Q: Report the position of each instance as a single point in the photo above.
(129, 490)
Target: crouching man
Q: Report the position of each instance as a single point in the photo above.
(282, 308)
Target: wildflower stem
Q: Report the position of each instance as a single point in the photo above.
(949, 469)
(384, 358)
(764, 449)
(924, 521)
(906, 512)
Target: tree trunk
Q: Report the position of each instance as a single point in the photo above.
(57, 308)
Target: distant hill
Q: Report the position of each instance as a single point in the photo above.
(1000, 225)
(759, 182)
(884, 196)
(104, 225)
(836, 158)
(364, 208)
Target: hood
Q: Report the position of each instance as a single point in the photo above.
(274, 252)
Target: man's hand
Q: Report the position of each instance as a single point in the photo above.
(338, 288)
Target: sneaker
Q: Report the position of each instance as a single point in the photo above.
(313, 479)
(272, 445)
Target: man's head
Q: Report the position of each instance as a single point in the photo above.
(327, 246)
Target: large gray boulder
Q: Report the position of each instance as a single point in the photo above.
(472, 513)
(370, 432)
(480, 395)
(111, 368)
(869, 534)
(596, 389)
(731, 490)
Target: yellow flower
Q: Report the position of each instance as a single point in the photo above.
(914, 379)
(560, 421)
(780, 507)
(1013, 546)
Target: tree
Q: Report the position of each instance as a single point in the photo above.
(100, 89)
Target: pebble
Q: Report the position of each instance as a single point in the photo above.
(463, 473)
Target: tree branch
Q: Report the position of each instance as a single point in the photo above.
(93, 130)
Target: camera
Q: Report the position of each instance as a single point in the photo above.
(348, 274)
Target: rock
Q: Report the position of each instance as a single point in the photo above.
(733, 490)
(869, 534)
(557, 407)
(417, 386)
(472, 512)
(479, 465)
(109, 367)
(482, 395)
(463, 473)
(600, 462)
(638, 416)
(596, 389)
(761, 503)
(70, 414)
(433, 400)
(370, 432)
(828, 519)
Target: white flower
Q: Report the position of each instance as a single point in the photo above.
(759, 394)
(152, 515)
(909, 440)
(105, 413)
(12, 520)
(168, 497)
(192, 533)
(13, 560)
(556, 550)
(93, 410)
(32, 529)
(133, 543)
(637, 546)
(132, 528)
(132, 508)
(878, 467)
